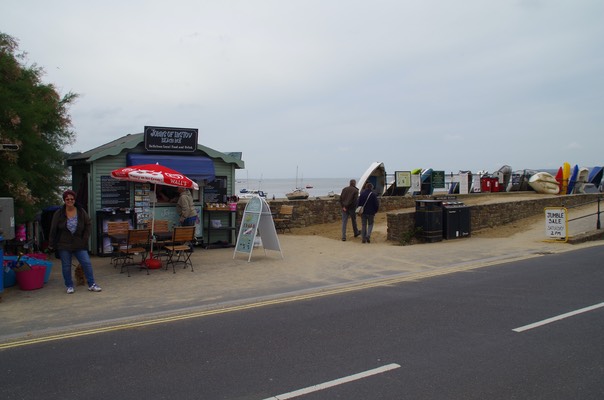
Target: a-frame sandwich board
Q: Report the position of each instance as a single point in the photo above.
(257, 221)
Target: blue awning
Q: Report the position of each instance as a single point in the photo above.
(195, 167)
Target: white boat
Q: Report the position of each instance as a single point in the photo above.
(252, 193)
(376, 175)
(297, 194)
(544, 182)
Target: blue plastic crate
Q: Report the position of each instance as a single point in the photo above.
(30, 261)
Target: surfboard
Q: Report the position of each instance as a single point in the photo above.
(565, 177)
(572, 181)
(559, 179)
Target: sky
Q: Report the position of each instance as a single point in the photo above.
(323, 88)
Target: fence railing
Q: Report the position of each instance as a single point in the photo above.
(580, 220)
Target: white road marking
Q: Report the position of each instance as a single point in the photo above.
(346, 379)
(557, 318)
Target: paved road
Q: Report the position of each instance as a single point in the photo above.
(450, 336)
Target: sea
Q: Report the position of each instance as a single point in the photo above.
(277, 188)
(319, 187)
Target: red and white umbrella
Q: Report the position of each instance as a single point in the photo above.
(154, 173)
(157, 174)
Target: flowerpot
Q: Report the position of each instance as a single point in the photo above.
(32, 278)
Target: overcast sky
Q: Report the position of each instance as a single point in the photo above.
(330, 86)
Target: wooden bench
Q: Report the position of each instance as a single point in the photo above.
(284, 218)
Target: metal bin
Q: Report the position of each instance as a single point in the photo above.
(429, 218)
(456, 220)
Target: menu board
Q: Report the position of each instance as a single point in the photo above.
(216, 191)
(114, 193)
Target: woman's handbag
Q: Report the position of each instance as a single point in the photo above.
(360, 209)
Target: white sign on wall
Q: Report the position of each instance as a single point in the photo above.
(556, 223)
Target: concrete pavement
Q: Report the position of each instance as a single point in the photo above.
(222, 281)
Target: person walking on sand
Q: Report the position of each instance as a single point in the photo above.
(69, 234)
(371, 205)
(348, 201)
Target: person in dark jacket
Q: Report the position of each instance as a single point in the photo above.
(368, 199)
(69, 234)
(348, 201)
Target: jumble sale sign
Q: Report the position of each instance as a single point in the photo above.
(556, 223)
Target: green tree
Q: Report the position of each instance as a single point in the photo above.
(35, 117)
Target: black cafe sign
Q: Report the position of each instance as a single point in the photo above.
(176, 140)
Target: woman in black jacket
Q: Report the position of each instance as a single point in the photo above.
(370, 204)
(69, 234)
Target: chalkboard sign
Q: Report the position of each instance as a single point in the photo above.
(216, 191)
(114, 193)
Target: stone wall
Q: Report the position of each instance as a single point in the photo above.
(324, 210)
(401, 224)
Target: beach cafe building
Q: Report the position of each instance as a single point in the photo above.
(108, 199)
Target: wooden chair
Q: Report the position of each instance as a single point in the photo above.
(138, 243)
(161, 236)
(117, 231)
(284, 217)
(181, 245)
(160, 225)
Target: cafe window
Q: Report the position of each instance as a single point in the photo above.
(169, 194)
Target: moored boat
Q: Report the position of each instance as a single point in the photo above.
(595, 176)
(297, 194)
(248, 194)
(544, 182)
(376, 175)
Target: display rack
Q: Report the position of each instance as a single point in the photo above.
(104, 248)
(142, 203)
(219, 219)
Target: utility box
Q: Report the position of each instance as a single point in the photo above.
(429, 219)
(7, 217)
(456, 220)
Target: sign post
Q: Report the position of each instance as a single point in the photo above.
(257, 218)
(556, 223)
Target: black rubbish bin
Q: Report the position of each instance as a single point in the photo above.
(429, 219)
(456, 220)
